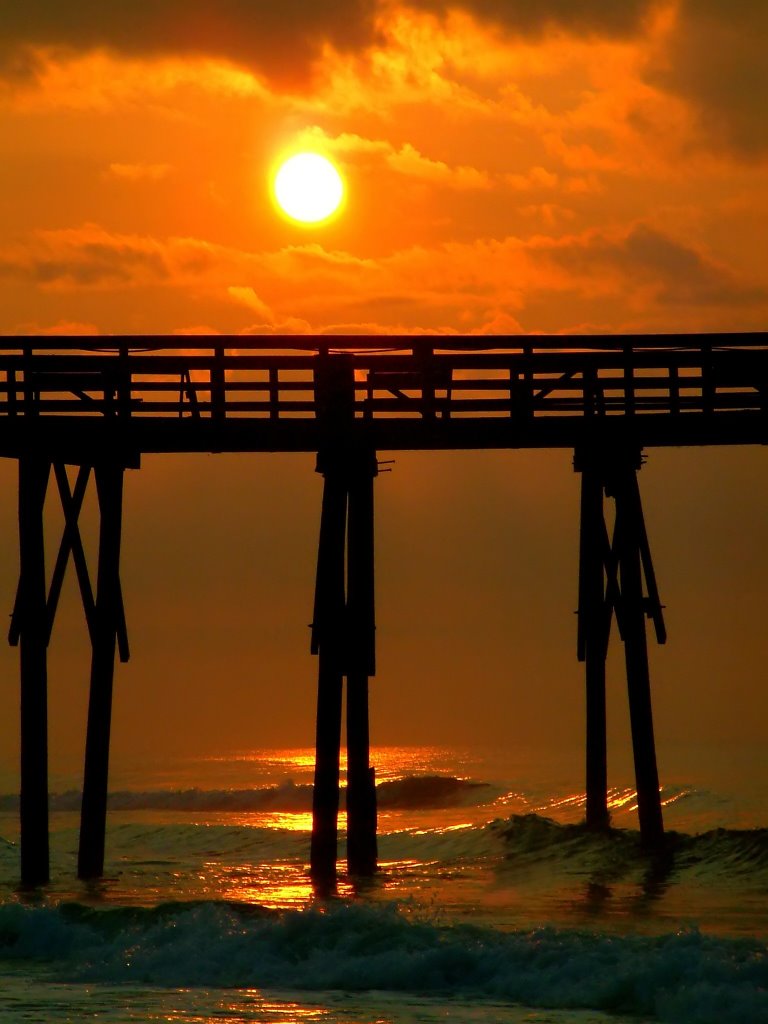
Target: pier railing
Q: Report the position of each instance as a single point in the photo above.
(221, 393)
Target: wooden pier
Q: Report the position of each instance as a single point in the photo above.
(98, 405)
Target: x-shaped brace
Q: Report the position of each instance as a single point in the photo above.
(72, 544)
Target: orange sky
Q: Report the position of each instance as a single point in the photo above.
(567, 165)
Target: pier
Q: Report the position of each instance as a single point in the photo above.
(78, 412)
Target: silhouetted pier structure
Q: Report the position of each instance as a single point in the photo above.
(99, 404)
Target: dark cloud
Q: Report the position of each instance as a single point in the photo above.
(590, 17)
(678, 274)
(280, 38)
(716, 60)
(89, 265)
(718, 63)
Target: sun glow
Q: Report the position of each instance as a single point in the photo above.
(308, 188)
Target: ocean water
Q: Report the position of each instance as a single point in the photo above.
(493, 904)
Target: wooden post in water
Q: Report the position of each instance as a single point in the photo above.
(106, 623)
(629, 536)
(327, 639)
(360, 665)
(33, 634)
(594, 630)
(343, 629)
(334, 403)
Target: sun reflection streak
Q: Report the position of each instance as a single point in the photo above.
(391, 763)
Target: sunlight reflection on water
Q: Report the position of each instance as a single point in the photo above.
(64, 1003)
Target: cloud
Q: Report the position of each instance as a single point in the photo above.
(281, 40)
(99, 81)
(716, 61)
(139, 172)
(655, 267)
(406, 159)
(524, 17)
(87, 257)
(90, 257)
(632, 277)
(64, 328)
(269, 322)
(537, 178)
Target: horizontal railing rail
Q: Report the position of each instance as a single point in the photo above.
(521, 380)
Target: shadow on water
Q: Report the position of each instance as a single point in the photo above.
(609, 867)
(601, 889)
(345, 885)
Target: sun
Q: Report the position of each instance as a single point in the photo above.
(308, 188)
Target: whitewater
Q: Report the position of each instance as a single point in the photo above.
(493, 903)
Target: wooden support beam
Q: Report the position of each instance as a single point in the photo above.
(627, 538)
(71, 503)
(594, 630)
(188, 391)
(71, 543)
(652, 603)
(109, 483)
(360, 664)
(123, 647)
(327, 641)
(33, 484)
(611, 563)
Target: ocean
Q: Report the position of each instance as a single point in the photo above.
(493, 904)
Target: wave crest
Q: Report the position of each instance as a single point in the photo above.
(414, 792)
(685, 978)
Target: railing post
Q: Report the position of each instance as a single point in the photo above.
(30, 398)
(629, 381)
(218, 385)
(11, 397)
(425, 356)
(124, 383)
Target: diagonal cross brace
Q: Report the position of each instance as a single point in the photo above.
(612, 590)
(187, 390)
(72, 544)
(610, 546)
(609, 566)
(652, 606)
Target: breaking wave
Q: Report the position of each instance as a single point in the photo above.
(683, 978)
(727, 853)
(412, 792)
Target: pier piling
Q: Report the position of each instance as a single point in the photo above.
(107, 620)
(629, 531)
(343, 628)
(34, 473)
(327, 639)
(612, 575)
(594, 631)
(360, 665)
